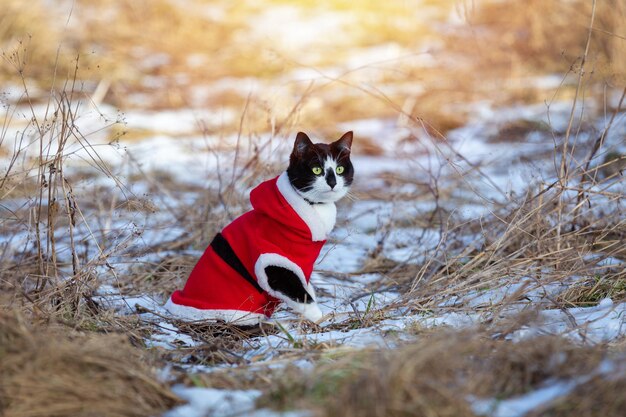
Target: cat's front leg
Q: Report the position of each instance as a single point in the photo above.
(284, 280)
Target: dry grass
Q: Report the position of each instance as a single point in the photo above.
(600, 396)
(218, 343)
(564, 229)
(77, 236)
(433, 376)
(549, 35)
(533, 240)
(589, 292)
(47, 371)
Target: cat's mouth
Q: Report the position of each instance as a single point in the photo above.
(332, 195)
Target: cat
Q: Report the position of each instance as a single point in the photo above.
(266, 256)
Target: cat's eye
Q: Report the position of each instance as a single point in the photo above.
(339, 170)
(317, 170)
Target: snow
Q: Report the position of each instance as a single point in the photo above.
(175, 122)
(497, 292)
(293, 30)
(170, 338)
(203, 402)
(599, 324)
(519, 406)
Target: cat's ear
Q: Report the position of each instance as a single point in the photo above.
(302, 143)
(344, 143)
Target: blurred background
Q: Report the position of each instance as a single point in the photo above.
(340, 60)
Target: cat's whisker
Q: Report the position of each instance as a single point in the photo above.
(350, 196)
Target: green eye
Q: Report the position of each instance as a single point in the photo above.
(317, 170)
(339, 170)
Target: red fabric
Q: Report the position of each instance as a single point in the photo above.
(272, 226)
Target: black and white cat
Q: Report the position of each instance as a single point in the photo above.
(321, 174)
(266, 256)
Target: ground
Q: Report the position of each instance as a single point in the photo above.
(477, 266)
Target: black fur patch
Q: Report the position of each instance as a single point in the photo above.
(330, 178)
(286, 282)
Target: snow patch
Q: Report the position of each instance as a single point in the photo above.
(215, 402)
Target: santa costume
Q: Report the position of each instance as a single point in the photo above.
(229, 282)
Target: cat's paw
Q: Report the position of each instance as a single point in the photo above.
(312, 312)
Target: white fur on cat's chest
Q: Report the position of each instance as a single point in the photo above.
(328, 215)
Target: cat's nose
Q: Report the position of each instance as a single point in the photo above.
(330, 179)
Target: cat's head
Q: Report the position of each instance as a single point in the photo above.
(321, 173)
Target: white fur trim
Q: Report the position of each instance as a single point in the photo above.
(311, 290)
(310, 311)
(239, 317)
(274, 259)
(319, 228)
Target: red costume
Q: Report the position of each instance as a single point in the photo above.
(229, 281)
